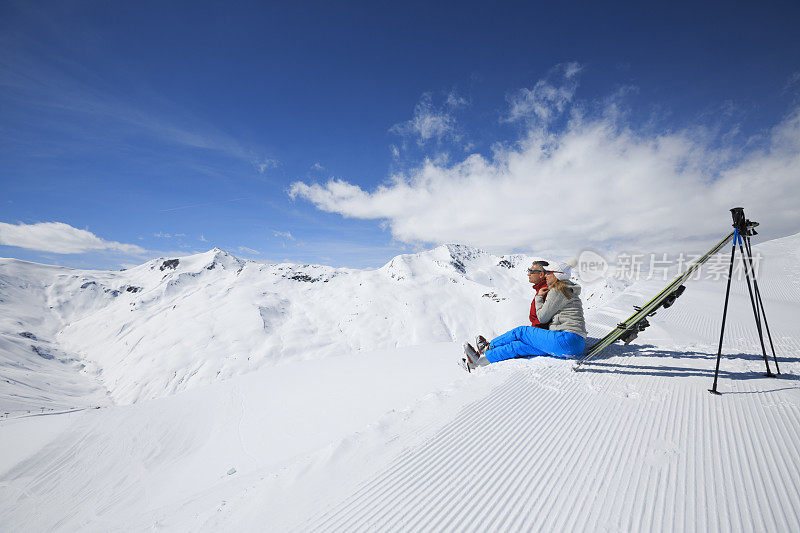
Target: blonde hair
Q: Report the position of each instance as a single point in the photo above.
(562, 286)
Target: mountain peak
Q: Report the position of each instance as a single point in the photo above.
(463, 251)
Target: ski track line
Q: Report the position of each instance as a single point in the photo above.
(537, 478)
(636, 478)
(542, 475)
(475, 449)
(741, 335)
(495, 462)
(776, 456)
(516, 479)
(598, 451)
(745, 482)
(763, 489)
(777, 288)
(451, 431)
(487, 511)
(498, 463)
(485, 447)
(674, 457)
(627, 479)
(405, 470)
(511, 390)
(674, 430)
(724, 469)
(510, 460)
(702, 326)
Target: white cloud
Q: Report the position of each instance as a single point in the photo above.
(455, 100)
(247, 250)
(596, 182)
(266, 164)
(59, 238)
(284, 234)
(162, 235)
(792, 82)
(203, 238)
(317, 166)
(548, 97)
(428, 123)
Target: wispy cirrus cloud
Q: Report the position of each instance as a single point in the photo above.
(793, 84)
(60, 238)
(267, 163)
(203, 204)
(283, 234)
(432, 123)
(63, 97)
(455, 100)
(547, 98)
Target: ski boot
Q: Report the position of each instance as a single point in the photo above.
(482, 344)
(470, 362)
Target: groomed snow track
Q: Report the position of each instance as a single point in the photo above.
(551, 450)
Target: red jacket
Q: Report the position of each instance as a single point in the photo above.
(534, 320)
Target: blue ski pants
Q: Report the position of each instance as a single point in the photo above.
(528, 340)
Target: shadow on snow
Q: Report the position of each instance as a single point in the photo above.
(708, 360)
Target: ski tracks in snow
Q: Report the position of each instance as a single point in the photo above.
(553, 450)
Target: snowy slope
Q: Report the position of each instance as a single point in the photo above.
(396, 438)
(35, 371)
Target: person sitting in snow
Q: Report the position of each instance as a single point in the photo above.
(536, 278)
(558, 304)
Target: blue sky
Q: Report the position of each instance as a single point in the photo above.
(348, 133)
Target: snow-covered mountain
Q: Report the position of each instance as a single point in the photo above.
(174, 323)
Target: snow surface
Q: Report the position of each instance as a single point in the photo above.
(212, 393)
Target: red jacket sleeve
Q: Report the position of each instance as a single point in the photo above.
(534, 319)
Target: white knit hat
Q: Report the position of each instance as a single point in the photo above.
(560, 270)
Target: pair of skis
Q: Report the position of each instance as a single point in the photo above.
(637, 322)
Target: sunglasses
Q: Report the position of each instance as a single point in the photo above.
(532, 270)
